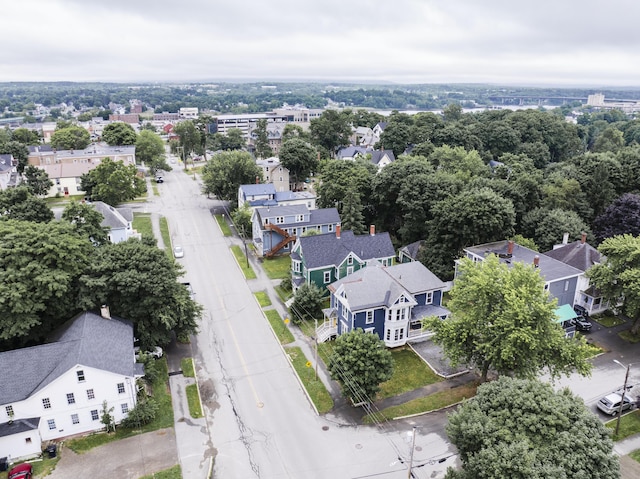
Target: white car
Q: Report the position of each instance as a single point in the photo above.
(610, 404)
(178, 252)
(157, 352)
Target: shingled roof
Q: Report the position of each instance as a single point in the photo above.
(86, 340)
(577, 254)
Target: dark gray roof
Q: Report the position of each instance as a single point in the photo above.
(323, 216)
(127, 213)
(376, 156)
(258, 189)
(411, 250)
(87, 340)
(550, 269)
(112, 217)
(577, 254)
(324, 250)
(18, 426)
(415, 277)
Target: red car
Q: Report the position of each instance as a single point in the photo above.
(22, 471)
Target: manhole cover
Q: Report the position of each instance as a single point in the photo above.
(418, 448)
(325, 428)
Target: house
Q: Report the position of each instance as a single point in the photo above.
(560, 279)
(8, 172)
(390, 302)
(273, 172)
(353, 152)
(582, 256)
(275, 228)
(118, 221)
(379, 128)
(274, 136)
(57, 389)
(323, 259)
(410, 252)
(264, 194)
(364, 136)
(382, 158)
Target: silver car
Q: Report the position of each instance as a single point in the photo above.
(610, 404)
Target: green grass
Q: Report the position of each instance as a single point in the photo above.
(629, 336)
(164, 418)
(283, 294)
(172, 473)
(608, 320)
(278, 267)
(156, 191)
(279, 327)
(635, 455)
(248, 271)
(166, 237)
(315, 388)
(629, 425)
(62, 201)
(40, 468)
(425, 404)
(193, 398)
(142, 224)
(187, 368)
(409, 373)
(226, 230)
(263, 299)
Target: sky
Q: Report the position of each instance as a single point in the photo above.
(511, 42)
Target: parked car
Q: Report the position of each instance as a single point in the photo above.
(21, 471)
(582, 324)
(190, 289)
(580, 310)
(178, 252)
(157, 352)
(610, 404)
(159, 179)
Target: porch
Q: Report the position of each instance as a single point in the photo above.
(329, 327)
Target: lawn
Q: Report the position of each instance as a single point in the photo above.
(40, 468)
(278, 267)
(226, 231)
(279, 327)
(171, 473)
(247, 270)
(608, 320)
(155, 190)
(315, 388)
(629, 425)
(166, 237)
(629, 336)
(263, 299)
(164, 418)
(635, 455)
(193, 398)
(142, 224)
(283, 294)
(409, 373)
(187, 368)
(425, 404)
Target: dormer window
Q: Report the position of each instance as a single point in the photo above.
(350, 260)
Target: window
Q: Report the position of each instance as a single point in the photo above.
(566, 285)
(299, 218)
(369, 317)
(9, 410)
(330, 228)
(52, 424)
(90, 394)
(369, 330)
(546, 287)
(75, 419)
(71, 399)
(28, 440)
(279, 220)
(80, 375)
(429, 298)
(350, 260)
(124, 407)
(120, 388)
(46, 403)
(94, 415)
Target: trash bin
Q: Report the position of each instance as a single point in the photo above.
(4, 464)
(52, 450)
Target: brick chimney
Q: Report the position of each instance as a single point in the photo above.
(104, 312)
(372, 230)
(536, 261)
(338, 231)
(583, 240)
(510, 246)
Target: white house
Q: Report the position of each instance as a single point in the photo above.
(57, 389)
(119, 222)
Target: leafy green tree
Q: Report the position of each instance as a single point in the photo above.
(338, 177)
(351, 216)
(19, 151)
(611, 139)
(87, 221)
(26, 137)
(452, 112)
(291, 130)
(457, 160)
(106, 418)
(190, 138)
(231, 140)
(618, 276)
(140, 283)
(37, 180)
(547, 227)
(360, 362)
(40, 264)
(70, 138)
(20, 204)
(119, 134)
(523, 429)
(263, 149)
(622, 216)
(331, 130)
(502, 319)
(307, 304)
(223, 174)
(242, 219)
(150, 151)
(144, 412)
(113, 182)
(300, 158)
(396, 137)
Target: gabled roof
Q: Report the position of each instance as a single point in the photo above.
(87, 339)
(377, 156)
(19, 425)
(352, 151)
(322, 216)
(261, 189)
(294, 195)
(411, 250)
(113, 218)
(415, 277)
(327, 249)
(577, 254)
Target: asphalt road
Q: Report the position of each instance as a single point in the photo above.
(259, 420)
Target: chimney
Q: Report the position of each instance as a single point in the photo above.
(372, 230)
(536, 261)
(338, 231)
(565, 238)
(510, 246)
(104, 312)
(583, 240)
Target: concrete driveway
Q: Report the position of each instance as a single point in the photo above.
(129, 458)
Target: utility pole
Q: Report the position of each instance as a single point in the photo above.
(316, 335)
(413, 445)
(624, 391)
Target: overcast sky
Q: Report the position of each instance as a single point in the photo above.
(542, 42)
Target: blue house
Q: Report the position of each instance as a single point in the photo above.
(390, 302)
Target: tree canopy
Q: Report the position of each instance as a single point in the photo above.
(150, 151)
(620, 217)
(37, 180)
(20, 204)
(113, 182)
(70, 138)
(300, 158)
(119, 133)
(86, 221)
(502, 320)
(331, 130)
(263, 149)
(523, 429)
(223, 174)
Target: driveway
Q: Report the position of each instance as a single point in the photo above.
(129, 458)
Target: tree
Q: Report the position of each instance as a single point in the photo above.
(360, 362)
(618, 276)
(351, 216)
(150, 151)
(307, 304)
(20, 204)
(502, 319)
(291, 130)
(263, 149)
(106, 417)
(190, 138)
(70, 138)
(396, 137)
(113, 182)
(331, 130)
(39, 269)
(140, 283)
(339, 177)
(457, 160)
(87, 221)
(452, 112)
(26, 137)
(19, 151)
(223, 174)
(119, 133)
(547, 227)
(523, 429)
(242, 219)
(300, 158)
(37, 180)
(620, 217)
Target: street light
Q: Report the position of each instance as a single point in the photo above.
(624, 391)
